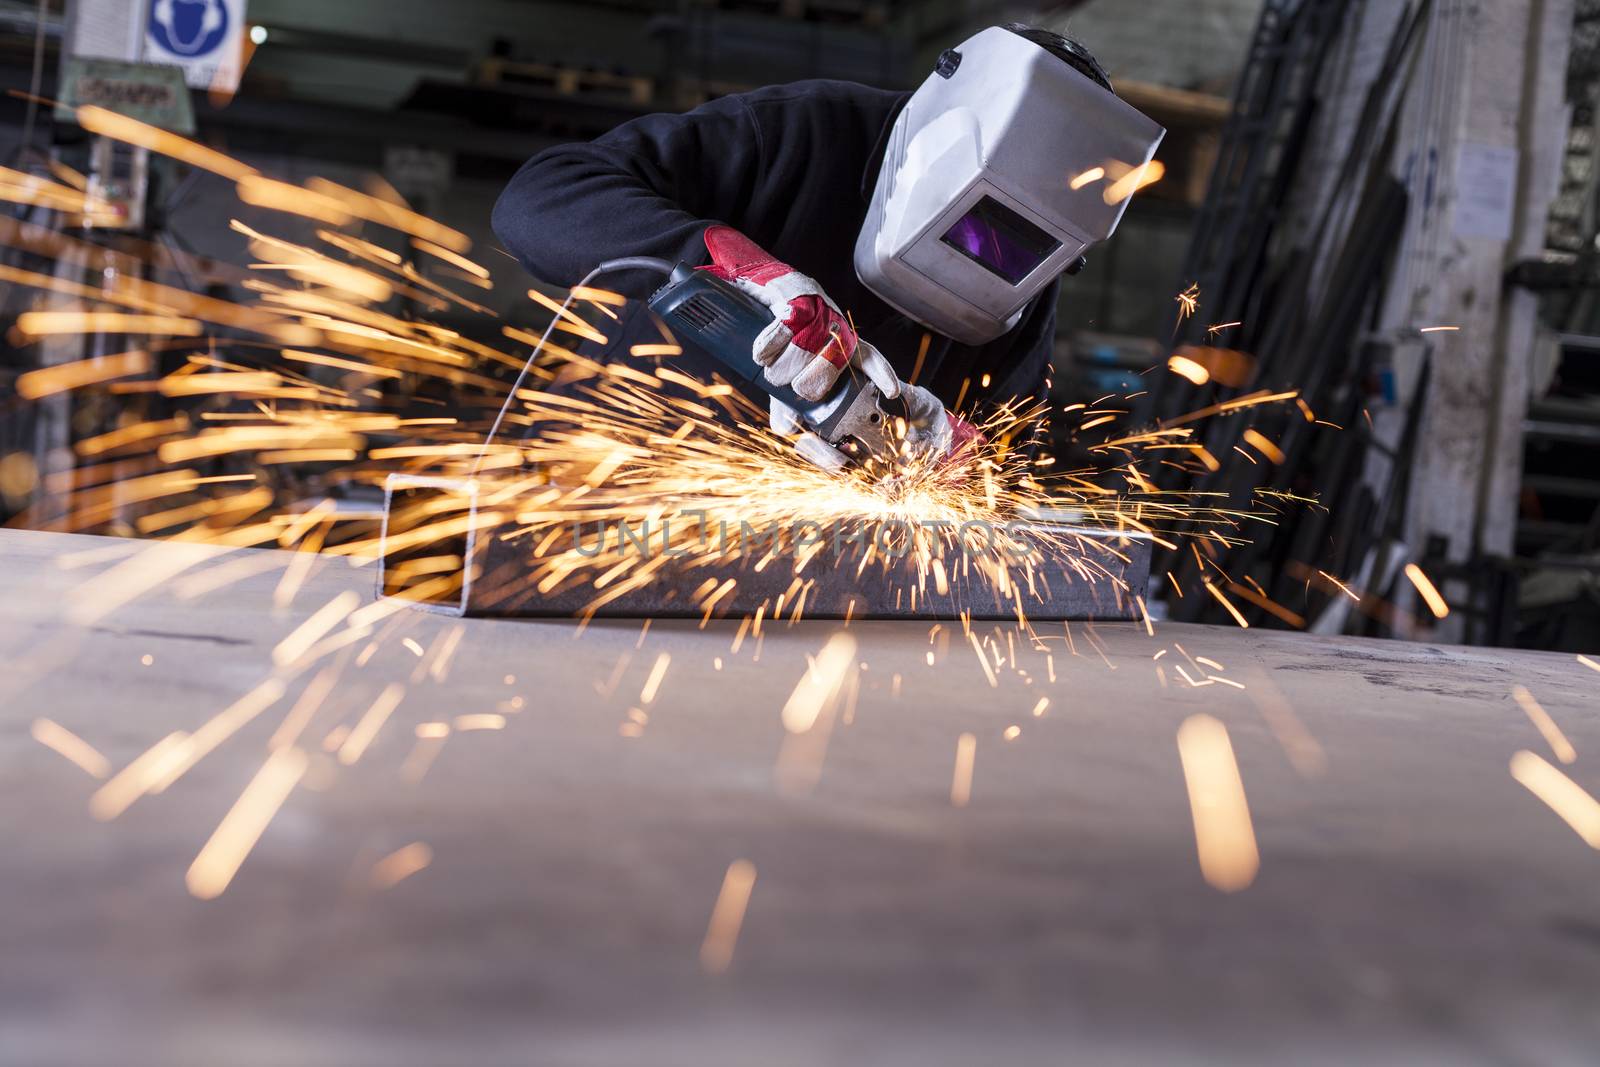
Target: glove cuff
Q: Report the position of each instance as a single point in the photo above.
(735, 257)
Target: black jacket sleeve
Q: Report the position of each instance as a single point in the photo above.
(647, 188)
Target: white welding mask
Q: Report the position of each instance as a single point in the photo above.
(1003, 168)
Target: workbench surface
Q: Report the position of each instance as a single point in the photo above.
(1414, 903)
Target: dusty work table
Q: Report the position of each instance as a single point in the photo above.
(1414, 903)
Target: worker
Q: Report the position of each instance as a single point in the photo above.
(935, 223)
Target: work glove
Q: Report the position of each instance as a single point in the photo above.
(931, 430)
(811, 342)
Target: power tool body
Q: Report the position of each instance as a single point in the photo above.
(717, 318)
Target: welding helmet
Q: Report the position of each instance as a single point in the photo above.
(1001, 170)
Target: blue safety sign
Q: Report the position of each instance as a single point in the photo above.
(189, 27)
(204, 37)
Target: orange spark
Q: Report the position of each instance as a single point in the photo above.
(961, 783)
(134, 780)
(273, 195)
(480, 721)
(1345, 589)
(400, 864)
(68, 745)
(48, 381)
(369, 724)
(1225, 840)
(820, 683)
(1188, 301)
(35, 324)
(131, 131)
(1225, 602)
(1565, 797)
(727, 917)
(1265, 445)
(1545, 725)
(1428, 591)
(1185, 367)
(241, 828)
(191, 749)
(323, 620)
(455, 259)
(1134, 180)
(1093, 174)
(652, 683)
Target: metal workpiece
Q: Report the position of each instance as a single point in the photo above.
(1076, 574)
(845, 570)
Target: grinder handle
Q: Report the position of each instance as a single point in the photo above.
(721, 320)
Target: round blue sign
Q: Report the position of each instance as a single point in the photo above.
(189, 27)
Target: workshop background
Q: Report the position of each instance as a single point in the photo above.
(1395, 203)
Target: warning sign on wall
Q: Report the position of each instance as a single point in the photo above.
(204, 37)
(149, 93)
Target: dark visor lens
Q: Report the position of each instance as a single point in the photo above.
(998, 238)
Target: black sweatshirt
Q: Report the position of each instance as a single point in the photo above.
(793, 168)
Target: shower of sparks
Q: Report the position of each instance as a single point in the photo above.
(1545, 725)
(1225, 841)
(1188, 302)
(727, 916)
(293, 377)
(1565, 797)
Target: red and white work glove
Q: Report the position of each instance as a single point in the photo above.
(810, 343)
